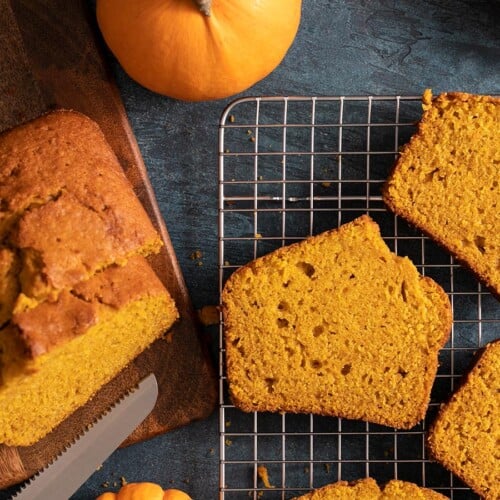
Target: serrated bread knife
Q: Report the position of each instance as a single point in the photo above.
(60, 479)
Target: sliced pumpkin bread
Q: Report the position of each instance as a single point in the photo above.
(465, 436)
(368, 489)
(335, 325)
(446, 181)
(78, 300)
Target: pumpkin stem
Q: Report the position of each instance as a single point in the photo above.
(204, 6)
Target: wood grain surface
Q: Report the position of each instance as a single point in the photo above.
(51, 58)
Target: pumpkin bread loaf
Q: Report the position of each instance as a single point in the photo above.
(78, 300)
(446, 181)
(335, 325)
(465, 436)
(368, 489)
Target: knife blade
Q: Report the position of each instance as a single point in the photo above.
(68, 471)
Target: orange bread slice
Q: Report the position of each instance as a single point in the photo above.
(447, 183)
(465, 437)
(335, 325)
(56, 355)
(368, 489)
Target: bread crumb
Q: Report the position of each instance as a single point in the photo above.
(197, 254)
(208, 315)
(249, 132)
(228, 442)
(258, 235)
(264, 476)
(211, 451)
(231, 118)
(199, 263)
(226, 263)
(228, 423)
(326, 184)
(105, 484)
(252, 139)
(327, 468)
(123, 481)
(169, 337)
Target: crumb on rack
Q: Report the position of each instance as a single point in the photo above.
(326, 184)
(228, 442)
(208, 315)
(231, 118)
(264, 476)
(123, 481)
(258, 235)
(197, 254)
(169, 337)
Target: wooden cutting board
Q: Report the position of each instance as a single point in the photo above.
(50, 57)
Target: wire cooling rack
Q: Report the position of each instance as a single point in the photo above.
(290, 167)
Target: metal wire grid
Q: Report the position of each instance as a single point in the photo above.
(290, 167)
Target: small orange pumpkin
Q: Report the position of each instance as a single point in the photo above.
(144, 491)
(174, 48)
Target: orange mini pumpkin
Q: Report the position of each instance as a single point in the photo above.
(172, 47)
(144, 491)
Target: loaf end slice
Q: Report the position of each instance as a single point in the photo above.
(368, 489)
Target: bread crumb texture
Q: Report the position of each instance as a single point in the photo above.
(446, 180)
(78, 300)
(335, 325)
(465, 437)
(368, 489)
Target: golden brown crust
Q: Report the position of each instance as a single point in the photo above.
(308, 329)
(58, 173)
(52, 323)
(445, 181)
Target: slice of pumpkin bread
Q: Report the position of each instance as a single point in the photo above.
(465, 436)
(446, 181)
(368, 489)
(57, 355)
(335, 325)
